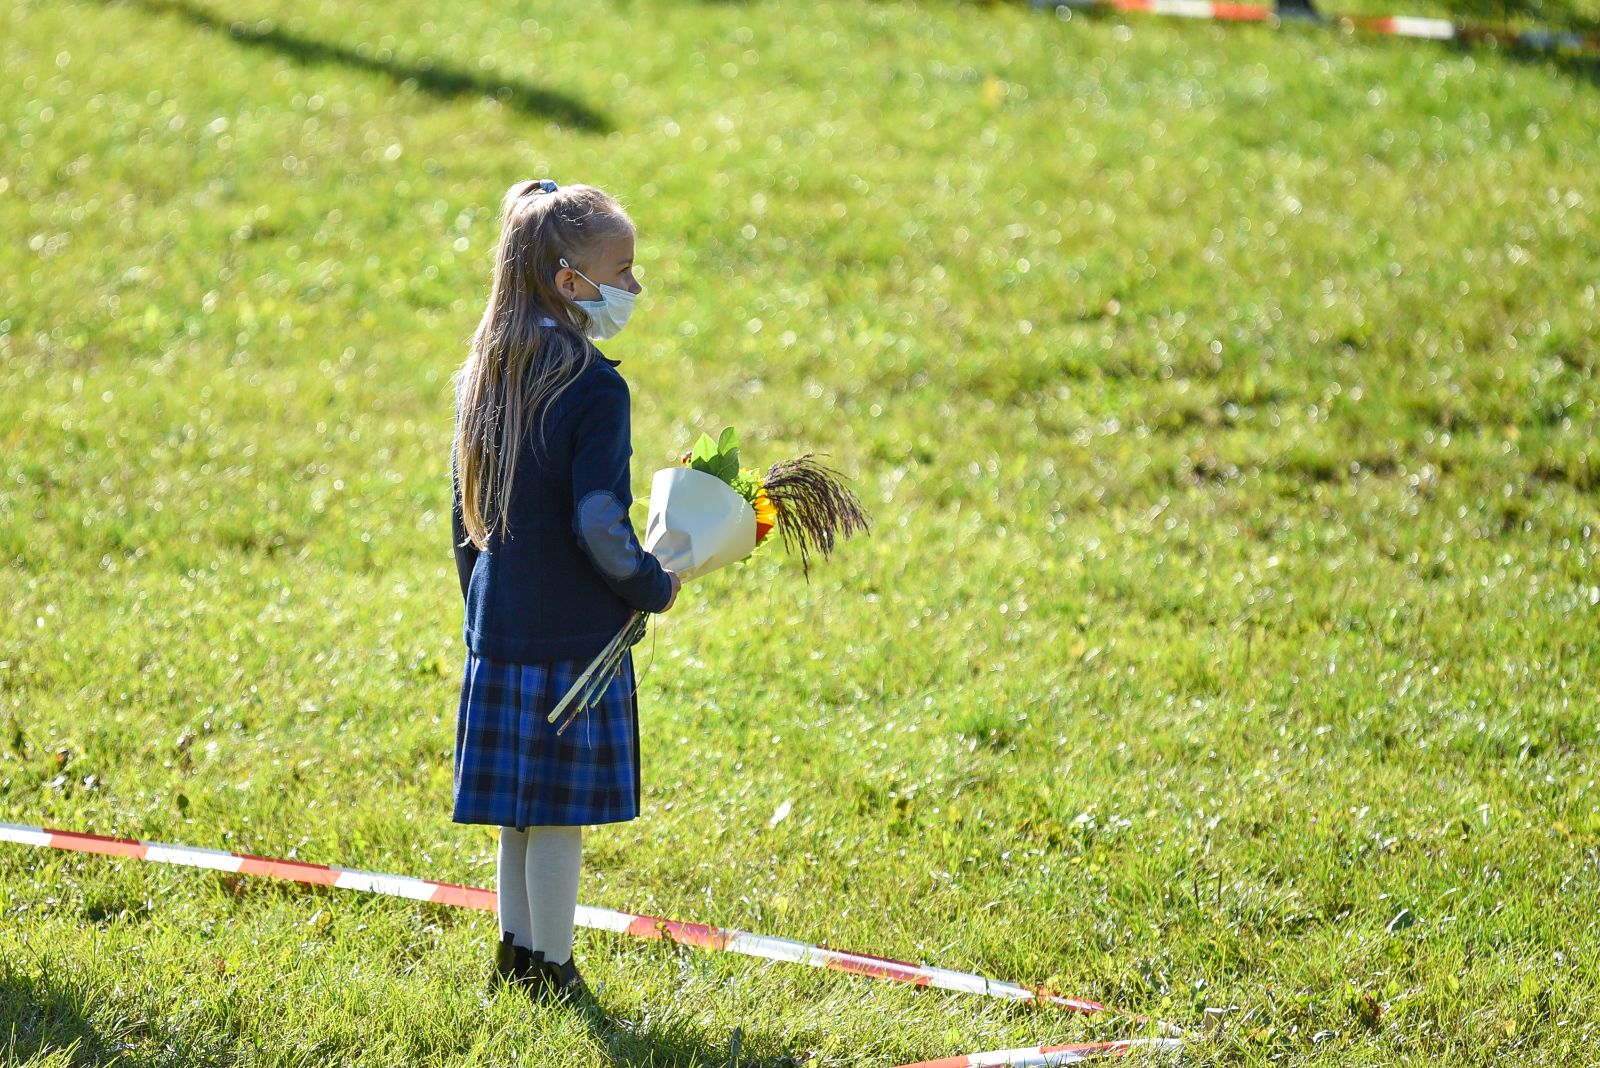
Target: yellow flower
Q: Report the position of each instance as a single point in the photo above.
(766, 511)
(766, 514)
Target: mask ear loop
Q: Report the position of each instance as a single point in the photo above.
(562, 261)
(580, 274)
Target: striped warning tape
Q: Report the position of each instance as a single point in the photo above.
(1543, 40)
(699, 935)
(1188, 9)
(1050, 1056)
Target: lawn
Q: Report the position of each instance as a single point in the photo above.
(1224, 398)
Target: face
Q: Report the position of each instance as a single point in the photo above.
(611, 264)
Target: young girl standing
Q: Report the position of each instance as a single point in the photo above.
(549, 565)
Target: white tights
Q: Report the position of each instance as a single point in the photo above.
(538, 886)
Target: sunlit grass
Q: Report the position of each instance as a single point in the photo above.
(1224, 399)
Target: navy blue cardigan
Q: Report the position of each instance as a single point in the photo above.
(570, 570)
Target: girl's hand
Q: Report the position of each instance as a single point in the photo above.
(677, 584)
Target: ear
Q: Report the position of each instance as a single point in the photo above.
(567, 283)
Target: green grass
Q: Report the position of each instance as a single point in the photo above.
(1225, 400)
(1579, 15)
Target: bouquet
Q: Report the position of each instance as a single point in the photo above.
(710, 512)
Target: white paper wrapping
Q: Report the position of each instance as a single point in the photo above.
(697, 522)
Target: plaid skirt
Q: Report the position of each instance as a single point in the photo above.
(511, 769)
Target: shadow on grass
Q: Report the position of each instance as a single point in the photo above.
(1579, 68)
(1550, 13)
(47, 1016)
(675, 1043)
(42, 1015)
(446, 83)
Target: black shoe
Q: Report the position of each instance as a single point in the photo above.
(510, 963)
(548, 981)
(569, 985)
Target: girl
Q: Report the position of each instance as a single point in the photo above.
(548, 562)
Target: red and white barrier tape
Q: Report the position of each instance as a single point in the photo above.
(700, 935)
(1433, 29)
(1051, 1056)
(1195, 9)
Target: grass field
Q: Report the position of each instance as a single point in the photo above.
(1225, 400)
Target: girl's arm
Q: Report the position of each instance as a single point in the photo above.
(466, 552)
(601, 496)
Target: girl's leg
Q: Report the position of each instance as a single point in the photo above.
(512, 885)
(555, 855)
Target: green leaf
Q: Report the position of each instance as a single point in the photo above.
(704, 449)
(719, 458)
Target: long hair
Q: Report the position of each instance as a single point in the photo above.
(519, 364)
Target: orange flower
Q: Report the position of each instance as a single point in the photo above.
(766, 515)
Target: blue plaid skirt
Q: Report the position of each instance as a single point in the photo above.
(511, 769)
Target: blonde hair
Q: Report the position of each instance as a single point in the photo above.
(519, 364)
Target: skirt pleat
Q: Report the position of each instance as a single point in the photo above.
(512, 770)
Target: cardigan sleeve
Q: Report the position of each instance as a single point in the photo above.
(601, 448)
(465, 552)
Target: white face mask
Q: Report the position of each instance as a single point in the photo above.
(609, 314)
